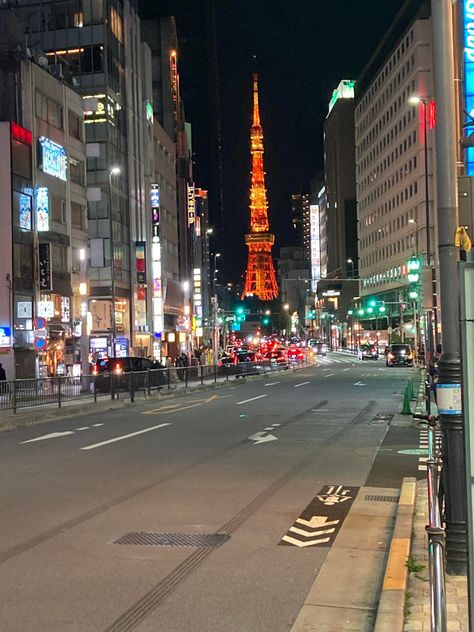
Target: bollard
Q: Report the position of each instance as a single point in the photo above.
(406, 409)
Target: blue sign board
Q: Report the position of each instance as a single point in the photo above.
(52, 158)
(468, 57)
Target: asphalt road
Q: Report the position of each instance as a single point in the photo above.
(243, 460)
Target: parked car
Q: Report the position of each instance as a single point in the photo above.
(368, 352)
(399, 354)
(240, 362)
(318, 346)
(116, 372)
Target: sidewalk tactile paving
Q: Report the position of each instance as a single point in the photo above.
(418, 618)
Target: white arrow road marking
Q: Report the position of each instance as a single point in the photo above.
(317, 521)
(251, 399)
(311, 534)
(260, 437)
(308, 543)
(302, 384)
(359, 384)
(127, 436)
(271, 383)
(51, 435)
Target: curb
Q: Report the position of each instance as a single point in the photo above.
(37, 415)
(390, 611)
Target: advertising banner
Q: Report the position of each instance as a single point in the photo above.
(45, 276)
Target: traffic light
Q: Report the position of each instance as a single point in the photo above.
(311, 314)
(265, 320)
(413, 265)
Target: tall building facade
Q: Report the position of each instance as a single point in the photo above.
(396, 198)
(299, 215)
(43, 218)
(340, 181)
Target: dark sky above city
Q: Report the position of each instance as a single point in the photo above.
(303, 49)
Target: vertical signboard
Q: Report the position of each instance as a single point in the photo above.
(42, 209)
(45, 277)
(315, 246)
(155, 211)
(468, 58)
(140, 257)
(191, 204)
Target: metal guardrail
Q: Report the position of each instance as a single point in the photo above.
(26, 393)
(434, 528)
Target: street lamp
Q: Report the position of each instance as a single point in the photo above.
(417, 245)
(352, 266)
(113, 171)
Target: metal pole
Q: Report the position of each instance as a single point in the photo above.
(449, 395)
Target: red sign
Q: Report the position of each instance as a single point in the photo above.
(40, 343)
(20, 133)
(39, 322)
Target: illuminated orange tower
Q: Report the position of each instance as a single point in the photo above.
(260, 279)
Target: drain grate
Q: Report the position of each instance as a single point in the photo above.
(382, 499)
(201, 540)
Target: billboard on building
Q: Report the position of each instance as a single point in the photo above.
(52, 158)
(315, 246)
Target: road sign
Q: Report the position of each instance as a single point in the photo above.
(40, 343)
(40, 333)
(39, 322)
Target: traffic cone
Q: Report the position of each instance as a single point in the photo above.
(409, 387)
(406, 410)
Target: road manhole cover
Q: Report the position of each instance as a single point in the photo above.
(200, 540)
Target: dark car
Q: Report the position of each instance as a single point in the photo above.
(114, 373)
(277, 358)
(368, 352)
(399, 355)
(241, 362)
(318, 346)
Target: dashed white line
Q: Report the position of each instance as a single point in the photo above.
(96, 425)
(83, 428)
(330, 375)
(251, 399)
(271, 383)
(302, 384)
(121, 438)
(345, 370)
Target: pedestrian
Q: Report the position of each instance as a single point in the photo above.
(3, 379)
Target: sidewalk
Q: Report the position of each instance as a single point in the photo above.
(417, 602)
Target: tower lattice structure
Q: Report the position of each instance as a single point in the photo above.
(260, 279)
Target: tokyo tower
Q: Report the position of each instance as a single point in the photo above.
(260, 279)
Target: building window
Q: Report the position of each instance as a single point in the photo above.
(74, 125)
(76, 171)
(77, 215)
(116, 24)
(58, 210)
(59, 257)
(49, 111)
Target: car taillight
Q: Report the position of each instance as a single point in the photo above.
(95, 371)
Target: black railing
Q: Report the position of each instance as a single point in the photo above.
(25, 393)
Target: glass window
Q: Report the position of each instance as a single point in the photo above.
(116, 24)
(75, 125)
(77, 215)
(76, 171)
(23, 262)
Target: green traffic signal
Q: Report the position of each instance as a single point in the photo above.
(265, 321)
(372, 303)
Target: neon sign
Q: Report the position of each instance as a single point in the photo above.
(42, 209)
(468, 57)
(52, 158)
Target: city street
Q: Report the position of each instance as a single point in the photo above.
(244, 460)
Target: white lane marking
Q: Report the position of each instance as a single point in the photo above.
(51, 435)
(345, 370)
(359, 384)
(96, 425)
(302, 384)
(83, 428)
(260, 437)
(317, 521)
(296, 542)
(276, 425)
(268, 428)
(251, 399)
(121, 438)
(271, 383)
(306, 534)
(330, 375)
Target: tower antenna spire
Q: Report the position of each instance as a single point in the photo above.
(260, 277)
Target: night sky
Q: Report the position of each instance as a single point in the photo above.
(303, 49)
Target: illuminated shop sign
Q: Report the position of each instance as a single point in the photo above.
(157, 293)
(25, 211)
(42, 209)
(155, 211)
(149, 112)
(197, 301)
(45, 276)
(99, 108)
(52, 158)
(191, 205)
(468, 56)
(5, 336)
(140, 258)
(315, 245)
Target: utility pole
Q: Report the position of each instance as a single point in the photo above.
(449, 381)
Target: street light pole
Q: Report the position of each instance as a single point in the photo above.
(113, 171)
(449, 380)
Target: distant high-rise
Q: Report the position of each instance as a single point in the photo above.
(299, 212)
(340, 177)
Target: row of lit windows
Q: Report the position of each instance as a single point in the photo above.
(387, 142)
(401, 246)
(381, 233)
(403, 196)
(381, 125)
(387, 70)
(391, 89)
(383, 277)
(391, 180)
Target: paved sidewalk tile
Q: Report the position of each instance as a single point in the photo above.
(417, 616)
